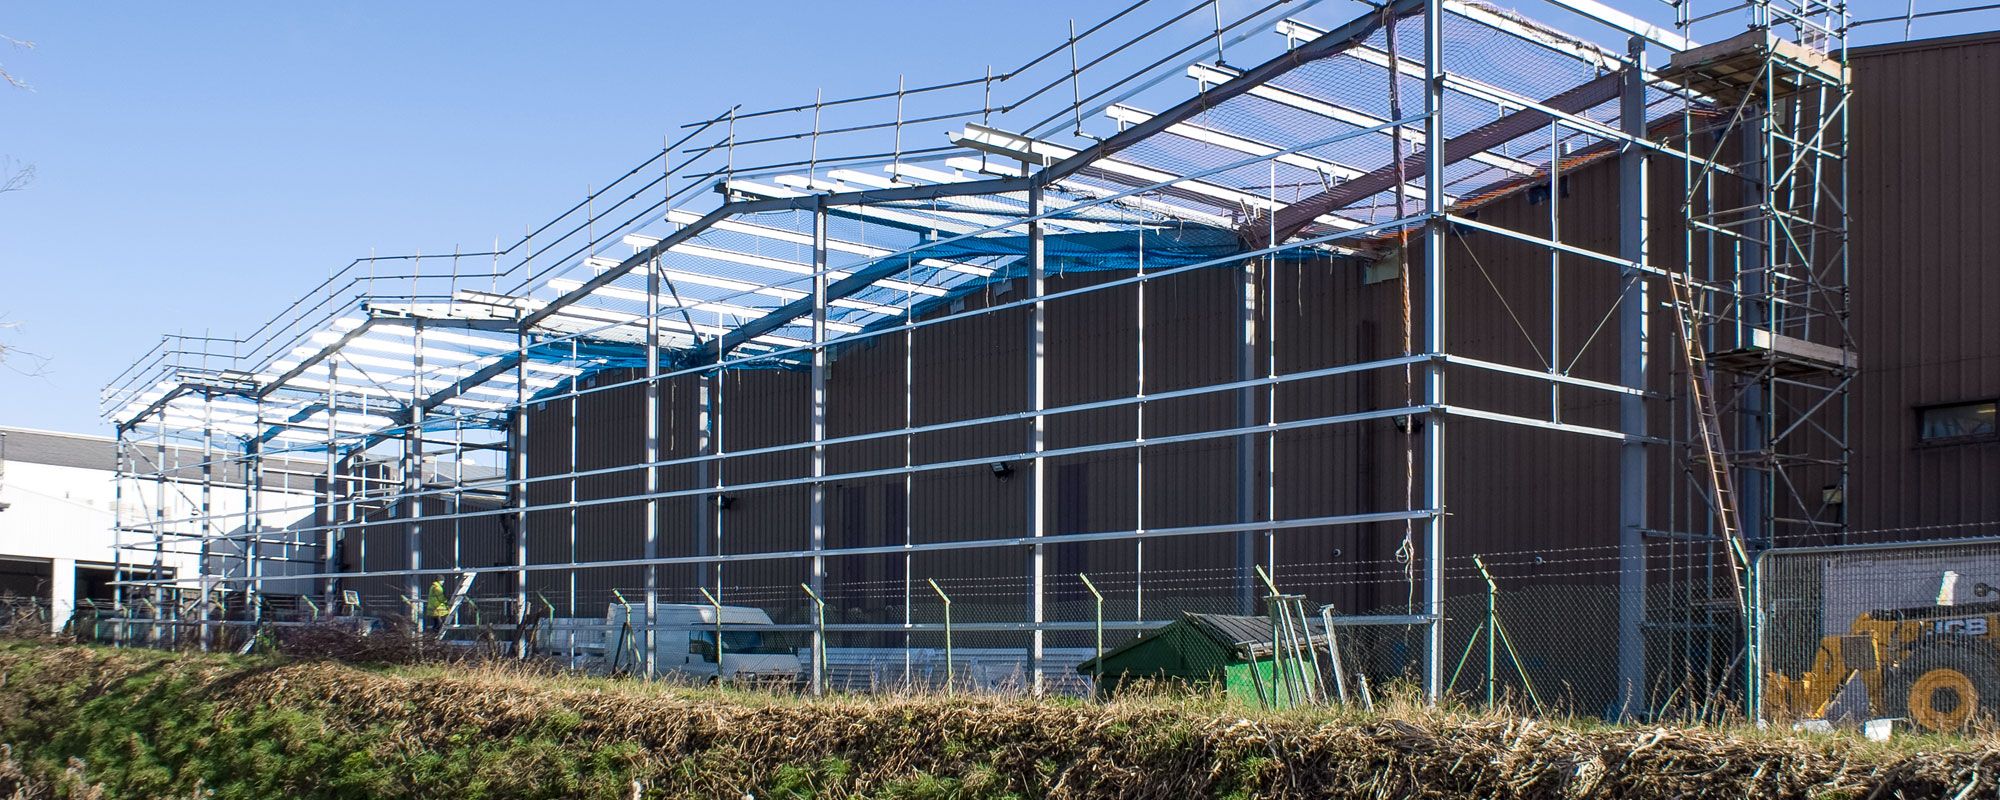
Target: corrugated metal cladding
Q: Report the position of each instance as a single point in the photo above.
(1918, 174)
(379, 541)
(1511, 488)
(1926, 184)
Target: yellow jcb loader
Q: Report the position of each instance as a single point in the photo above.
(1937, 666)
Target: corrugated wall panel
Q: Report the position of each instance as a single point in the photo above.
(1923, 171)
(1922, 302)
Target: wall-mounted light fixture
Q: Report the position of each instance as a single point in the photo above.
(724, 501)
(1002, 469)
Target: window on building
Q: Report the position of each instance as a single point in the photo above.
(1958, 422)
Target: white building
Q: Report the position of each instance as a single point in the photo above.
(61, 508)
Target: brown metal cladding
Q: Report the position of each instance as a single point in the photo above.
(976, 367)
(1510, 489)
(448, 541)
(1926, 180)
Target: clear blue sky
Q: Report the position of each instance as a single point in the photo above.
(200, 164)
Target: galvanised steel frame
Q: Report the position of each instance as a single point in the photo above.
(818, 239)
(1765, 238)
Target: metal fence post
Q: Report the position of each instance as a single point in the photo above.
(623, 640)
(947, 633)
(1279, 675)
(1492, 636)
(521, 643)
(1333, 653)
(1753, 645)
(1097, 671)
(720, 673)
(819, 641)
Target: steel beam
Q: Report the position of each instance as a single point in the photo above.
(1291, 219)
(644, 256)
(937, 546)
(1014, 146)
(1247, 146)
(1341, 114)
(1347, 35)
(500, 366)
(324, 353)
(1641, 30)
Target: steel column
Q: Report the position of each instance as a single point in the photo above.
(1754, 277)
(1139, 439)
(207, 508)
(1432, 443)
(254, 554)
(1245, 306)
(159, 526)
(519, 467)
(413, 479)
(1038, 435)
(708, 512)
(652, 545)
(817, 577)
(120, 467)
(575, 442)
(330, 538)
(1633, 246)
(720, 445)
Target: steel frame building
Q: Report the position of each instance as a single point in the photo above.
(586, 385)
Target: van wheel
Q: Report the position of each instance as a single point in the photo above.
(1943, 686)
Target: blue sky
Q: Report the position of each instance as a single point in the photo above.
(200, 165)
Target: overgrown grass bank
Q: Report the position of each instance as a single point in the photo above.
(92, 722)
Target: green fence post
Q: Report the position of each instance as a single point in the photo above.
(623, 640)
(720, 672)
(1492, 617)
(1096, 672)
(819, 653)
(948, 688)
(1280, 675)
(521, 638)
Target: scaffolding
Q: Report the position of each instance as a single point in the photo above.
(730, 370)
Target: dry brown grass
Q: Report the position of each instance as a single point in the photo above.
(688, 742)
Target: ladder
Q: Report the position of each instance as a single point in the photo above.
(1708, 429)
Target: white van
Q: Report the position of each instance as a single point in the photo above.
(684, 643)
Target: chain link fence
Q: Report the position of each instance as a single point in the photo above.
(1898, 631)
(1845, 634)
(1540, 636)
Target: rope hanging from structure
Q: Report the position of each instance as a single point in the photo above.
(1406, 552)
